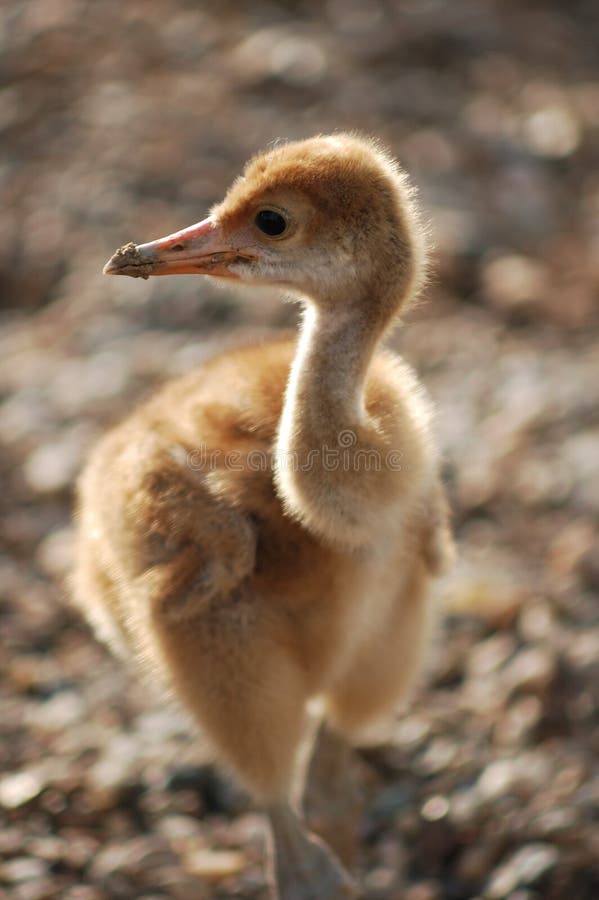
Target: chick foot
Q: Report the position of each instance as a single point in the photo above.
(302, 866)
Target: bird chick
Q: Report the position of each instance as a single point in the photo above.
(300, 572)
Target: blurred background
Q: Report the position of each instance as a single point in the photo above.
(125, 121)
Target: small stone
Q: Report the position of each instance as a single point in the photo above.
(64, 709)
(525, 867)
(484, 586)
(438, 755)
(583, 651)
(11, 841)
(84, 892)
(298, 61)
(523, 775)
(246, 830)
(43, 888)
(537, 622)
(178, 828)
(48, 848)
(20, 787)
(281, 53)
(52, 466)
(519, 720)
(487, 656)
(411, 730)
(435, 808)
(515, 283)
(80, 848)
(464, 805)
(475, 862)
(497, 778)
(424, 890)
(570, 546)
(31, 672)
(81, 383)
(130, 856)
(113, 768)
(22, 868)
(557, 821)
(569, 777)
(55, 553)
(531, 669)
(380, 879)
(552, 132)
(214, 865)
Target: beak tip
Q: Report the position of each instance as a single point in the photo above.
(128, 261)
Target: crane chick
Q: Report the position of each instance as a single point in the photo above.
(252, 590)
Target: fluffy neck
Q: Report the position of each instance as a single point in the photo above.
(324, 420)
(339, 336)
(325, 394)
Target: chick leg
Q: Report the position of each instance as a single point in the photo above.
(302, 866)
(232, 671)
(332, 800)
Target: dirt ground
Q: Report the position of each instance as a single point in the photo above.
(124, 121)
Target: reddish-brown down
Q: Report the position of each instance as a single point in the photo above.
(262, 534)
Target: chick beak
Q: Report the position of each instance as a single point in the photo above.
(200, 249)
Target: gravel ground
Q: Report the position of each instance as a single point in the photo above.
(125, 121)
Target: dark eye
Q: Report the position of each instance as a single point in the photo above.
(271, 222)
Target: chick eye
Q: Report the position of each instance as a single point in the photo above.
(271, 222)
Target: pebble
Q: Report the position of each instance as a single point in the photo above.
(557, 821)
(424, 890)
(531, 669)
(281, 53)
(379, 880)
(22, 868)
(583, 650)
(537, 622)
(503, 776)
(214, 865)
(487, 656)
(61, 711)
(515, 283)
(53, 465)
(435, 808)
(519, 720)
(55, 553)
(570, 545)
(497, 778)
(552, 131)
(411, 730)
(114, 766)
(438, 755)
(476, 861)
(179, 829)
(524, 867)
(464, 805)
(133, 855)
(84, 892)
(20, 787)
(82, 382)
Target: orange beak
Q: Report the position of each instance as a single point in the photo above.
(200, 249)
